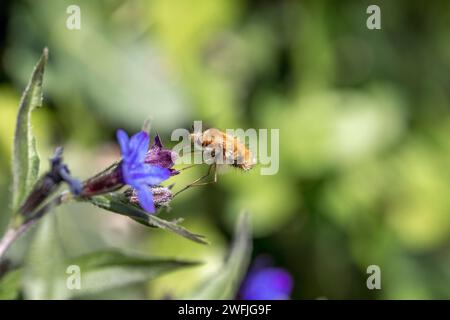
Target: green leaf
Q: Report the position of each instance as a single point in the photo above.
(10, 285)
(117, 203)
(225, 283)
(44, 266)
(99, 271)
(47, 272)
(25, 158)
(105, 270)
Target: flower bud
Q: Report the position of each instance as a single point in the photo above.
(161, 196)
(48, 183)
(107, 181)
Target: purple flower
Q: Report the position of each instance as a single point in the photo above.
(135, 171)
(140, 168)
(160, 156)
(267, 283)
(161, 196)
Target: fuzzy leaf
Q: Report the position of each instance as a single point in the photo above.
(110, 269)
(225, 283)
(25, 158)
(10, 285)
(46, 272)
(117, 203)
(43, 274)
(99, 271)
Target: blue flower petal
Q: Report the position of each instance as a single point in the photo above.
(149, 175)
(135, 171)
(156, 175)
(267, 284)
(145, 197)
(123, 140)
(138, 146)
(126, 175)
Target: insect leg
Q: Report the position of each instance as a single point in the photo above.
(195, 182)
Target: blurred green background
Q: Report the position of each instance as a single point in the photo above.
(363, 116)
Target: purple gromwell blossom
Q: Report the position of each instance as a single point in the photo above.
(140, 168)
(266, 283)
(135, 171)
(160, 156)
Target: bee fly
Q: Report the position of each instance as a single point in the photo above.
(224, 149)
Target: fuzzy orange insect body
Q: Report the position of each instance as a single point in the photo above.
(232, 150)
